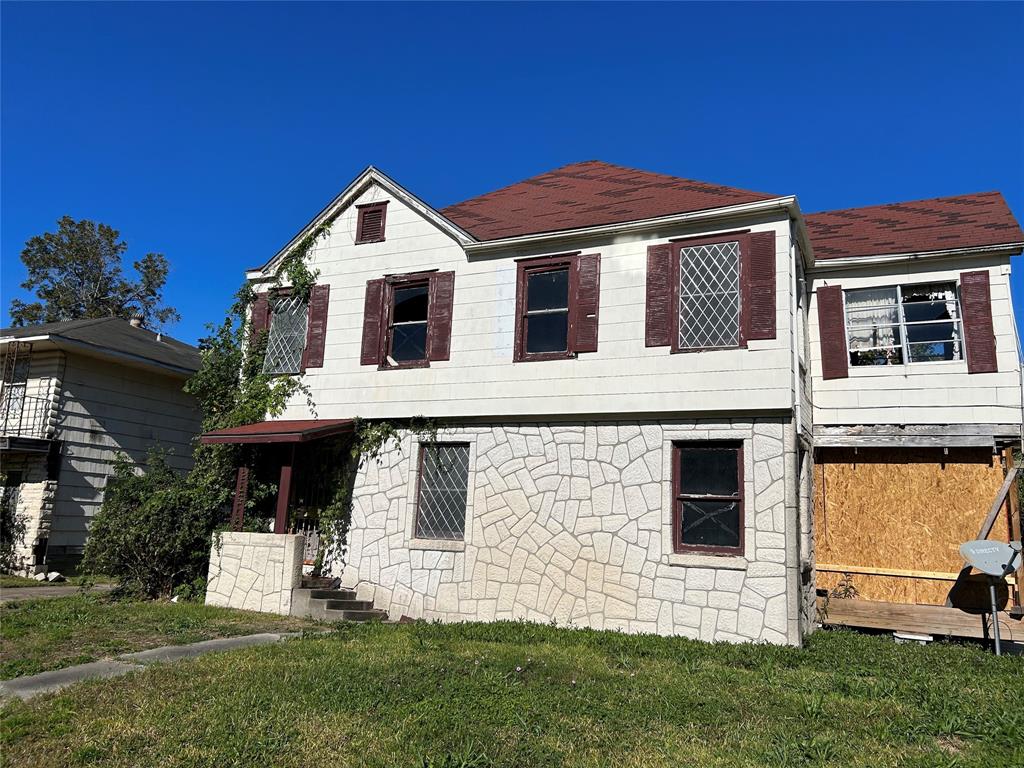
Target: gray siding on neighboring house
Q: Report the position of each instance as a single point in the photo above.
(106, 409)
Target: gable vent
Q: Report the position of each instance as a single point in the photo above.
(370, 226)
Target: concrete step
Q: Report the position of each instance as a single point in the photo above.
(348, 604)
(371, 615)
(318, 582)
(332, 594)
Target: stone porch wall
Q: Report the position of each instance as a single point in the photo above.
(35, 506)
(572, 523)
(254, 571)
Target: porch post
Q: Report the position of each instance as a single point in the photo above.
(284, 489)
(241, 496)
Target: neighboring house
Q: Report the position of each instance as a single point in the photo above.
(634, 373)
(75, 395)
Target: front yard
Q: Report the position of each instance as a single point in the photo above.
(526, 695)
(38, 635)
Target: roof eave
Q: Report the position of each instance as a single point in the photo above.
(346, 197)
(788, 203)
(75, 345)
(845, 262)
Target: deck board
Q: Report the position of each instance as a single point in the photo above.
(925, 619)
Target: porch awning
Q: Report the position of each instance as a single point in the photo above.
(294, 431)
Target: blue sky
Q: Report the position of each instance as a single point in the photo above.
(212, 133)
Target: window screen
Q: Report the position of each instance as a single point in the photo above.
(708, 511)
(287, 336)
(709, 296)
(443, 488)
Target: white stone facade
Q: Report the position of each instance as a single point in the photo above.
(254, 571)
(35, 497)
(571, 522)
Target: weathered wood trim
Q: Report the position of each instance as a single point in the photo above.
(911, 441)
(927, 619)
(1003, 430)
(871, 571)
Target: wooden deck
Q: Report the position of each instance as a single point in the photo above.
(936, 620)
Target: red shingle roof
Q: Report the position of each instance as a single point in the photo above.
(939, 224)
(588, 194)
(284, 431)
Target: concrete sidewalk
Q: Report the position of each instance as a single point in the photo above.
(47, 682)
(9, 594)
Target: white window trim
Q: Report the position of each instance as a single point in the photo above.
(902, 325)
(439, 545)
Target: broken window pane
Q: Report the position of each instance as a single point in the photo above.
(711, 523)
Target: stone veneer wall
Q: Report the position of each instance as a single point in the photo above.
(254, 571)
(572, 523)
(35, 506)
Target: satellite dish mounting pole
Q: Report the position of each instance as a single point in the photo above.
(995, 614)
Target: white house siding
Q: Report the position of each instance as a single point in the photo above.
(480, 379)
(107, 409)
(922, 393)
(571, 522)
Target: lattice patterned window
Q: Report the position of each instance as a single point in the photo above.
(443, 489)
(709, 296)
(708, 509)
(904, 323)
(287, 337)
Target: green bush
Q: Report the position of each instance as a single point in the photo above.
(153, 531)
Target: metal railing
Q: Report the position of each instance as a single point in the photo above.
(24, 415)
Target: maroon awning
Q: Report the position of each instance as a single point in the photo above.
(294, 431)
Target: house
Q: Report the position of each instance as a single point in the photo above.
(75, 395)
(639, 379)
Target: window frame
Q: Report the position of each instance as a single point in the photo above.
(423, 447)
(902, 325)
(272, 296)
(391, 282)
(361, 211)
(742, 237)
(678, 545)
(539, 265)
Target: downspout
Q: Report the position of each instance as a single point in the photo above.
(796, 327)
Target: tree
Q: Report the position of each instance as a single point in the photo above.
(76, 272)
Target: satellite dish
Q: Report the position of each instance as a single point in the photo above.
(994, 558)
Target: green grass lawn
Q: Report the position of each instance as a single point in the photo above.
(526, 695)
(37, 635)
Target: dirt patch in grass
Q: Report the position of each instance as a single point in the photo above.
(512, 694)
(38, 635)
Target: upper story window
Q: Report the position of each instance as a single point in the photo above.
(709, 296)
(557, 300)
(904, 324)
(443, 490)
(707, 480)
(407, 320)
(370, 222)
(287, 338)
(408, 313)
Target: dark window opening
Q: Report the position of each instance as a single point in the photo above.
(708, 504)
(407, 332)
(546, 321)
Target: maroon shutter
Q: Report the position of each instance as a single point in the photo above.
(260, 317)
(980, 338)
(439, 322)
(832, 333)
(373, 309)
(659, 296)
(316, 327)
(759, 275)
(370, 224)
(588, 301)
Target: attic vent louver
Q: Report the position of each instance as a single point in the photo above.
(370, 226)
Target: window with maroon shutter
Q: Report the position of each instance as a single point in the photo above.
(557, 306)
(316, 331)
(710, 299)
(407, 320)
(976, 296)
(832, 332)
(370, 222)
(758, 273)
(260, 317)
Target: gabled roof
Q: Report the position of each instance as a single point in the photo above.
(114, 336)
(588, 194)
(938, 224)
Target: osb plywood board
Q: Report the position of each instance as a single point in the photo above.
(906, 509)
